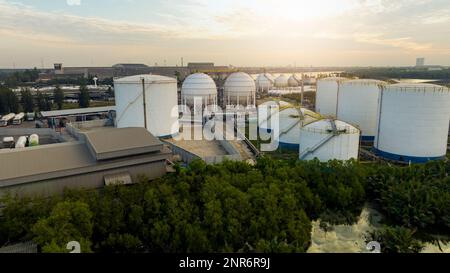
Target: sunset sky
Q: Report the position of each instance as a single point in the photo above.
(237, 32)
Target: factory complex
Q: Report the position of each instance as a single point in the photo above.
(157, 121)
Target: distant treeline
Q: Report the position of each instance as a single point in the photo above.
(398, 73)
(235, 207)
(30, 77)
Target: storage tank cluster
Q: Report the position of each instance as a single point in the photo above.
(407, 122)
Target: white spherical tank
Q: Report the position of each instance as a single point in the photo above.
(358, 105)
(293, 81)
(240, 89)
(289, 120)
(282, 81)
(327, 96)
(161, 103)
(264, 83)
(329, 139)
(198, 91)
(413, 122)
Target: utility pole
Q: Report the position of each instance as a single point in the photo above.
(303, 89)
(145, 103)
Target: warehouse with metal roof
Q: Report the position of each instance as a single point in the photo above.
(91, 162)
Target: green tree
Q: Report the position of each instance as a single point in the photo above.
(58, 95)
(84, 97)
(396, 240)
(27, 100)
(68, 221)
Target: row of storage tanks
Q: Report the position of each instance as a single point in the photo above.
(161, 99)
(407, 122)
(198, 90)
(266, 82)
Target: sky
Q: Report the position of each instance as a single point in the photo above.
(226, 32)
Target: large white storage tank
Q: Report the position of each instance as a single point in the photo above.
(327, 96)
(413, 122)
(240, 89)
(329, 139)
(161, 104)
(199, 91)
(358, 105)
(282, 81)
(290, 119)
(264, 82)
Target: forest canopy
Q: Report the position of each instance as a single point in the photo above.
(234, 207)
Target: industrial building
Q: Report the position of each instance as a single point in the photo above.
(147, 101)
(413, 122)
(95, 159)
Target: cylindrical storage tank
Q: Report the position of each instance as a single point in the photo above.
(327, 96)
(199, 91)
(413, 122)
(264, 83)
(33, 140)
(293, 82)
(327, 141)
(161, 104)
(282, 81)
(358, 105)
(289, 119)
(21, 142)
(240, 89)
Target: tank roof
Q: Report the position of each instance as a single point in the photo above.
(147, 78)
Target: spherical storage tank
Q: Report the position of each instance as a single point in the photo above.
(329, 139)
(264, 82)
(327, 96)
(240, 89)
(293, 81)
(290, 120)
(198, 91)
(161, 99)
(358, 105)
(282, 81)
(413, 122)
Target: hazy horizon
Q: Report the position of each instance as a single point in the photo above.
(241, 33)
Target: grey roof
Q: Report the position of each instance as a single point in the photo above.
(114, 142)
(124, 147)
(43, 159)
(133, 66)
(74, 112)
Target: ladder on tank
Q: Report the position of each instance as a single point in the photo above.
(335, 132)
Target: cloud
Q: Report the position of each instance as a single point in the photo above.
(74, 2)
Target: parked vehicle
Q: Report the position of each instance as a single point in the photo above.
(18, 119)
(6, 120)
(31, 116)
